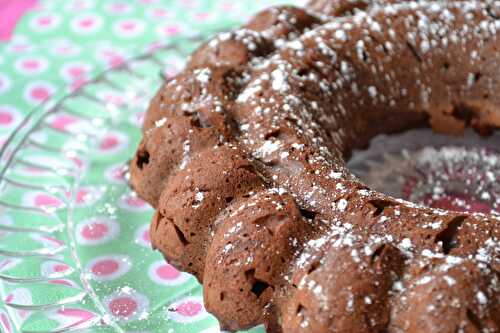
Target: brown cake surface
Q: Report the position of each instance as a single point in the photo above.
(243, 156)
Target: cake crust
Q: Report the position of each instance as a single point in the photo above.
(243, 156)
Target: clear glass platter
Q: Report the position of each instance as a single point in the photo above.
(460, 173)
(74, 243)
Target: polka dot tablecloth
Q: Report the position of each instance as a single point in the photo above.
(101, 274)
(48, 46)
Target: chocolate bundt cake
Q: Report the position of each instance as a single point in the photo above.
(244, 158)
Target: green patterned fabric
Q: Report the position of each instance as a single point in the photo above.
(60, 44)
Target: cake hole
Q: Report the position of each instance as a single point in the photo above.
(413, 51)
(477, 77)
(157, 220)
(446, 65)
(248, 167)
(303, 72)
(364, 56)
(307, 214)
(491, 13)
(314, 266)
(142, 158)
(274, 134)
(229, 199)
(377, 253)
(302, 313)
(474, 320)
(195, 122)
(464, 113)
(448, 237)
(380, 206)
(180, 235)
(258, 286)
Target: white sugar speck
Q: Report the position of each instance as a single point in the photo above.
(267, 148)
(342, 204)
(449, 280)
(161, 122)
(340, 35)
(372, 91)
(481, 298)
(279, 81)
(335, 175)
(296, 45)
(203, 75)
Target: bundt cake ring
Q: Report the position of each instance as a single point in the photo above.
(243, 157)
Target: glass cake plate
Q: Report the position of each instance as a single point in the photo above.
(448, 172)
(75, 253)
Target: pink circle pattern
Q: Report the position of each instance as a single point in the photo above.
(127, 304)
(168, 30)
(37, 92)
(45, 22)
(112, 142)
(42, 200)
(85, 196)
(131, 202)
(5, 83)
(187, 310)
(112, 97)
(9, 117)
(72, 71)
(142, 237)
(19, 44)
(108, 267)
(118, 8)
(165, 274)
(64, 48)
(65, 123)
(86, 24)
(79, 5)
(128, 28)
(111, 56)
(137, 118)
(159, 13)
(52, 268)
(116, 173)
(31, 65)
(96, 231)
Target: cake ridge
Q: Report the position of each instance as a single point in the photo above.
(282, 233)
